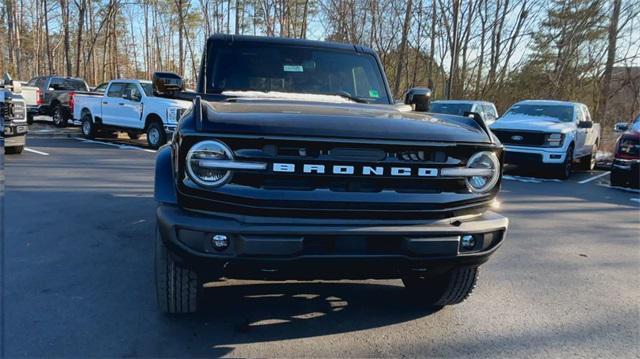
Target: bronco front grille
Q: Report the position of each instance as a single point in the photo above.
(357, 155)
(329, 195)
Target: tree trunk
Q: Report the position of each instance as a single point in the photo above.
(611, 57)
(403, 48)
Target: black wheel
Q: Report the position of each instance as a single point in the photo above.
(177, 288)
(88, 127)
(447, 289)
(563, 170)
(58, 117)
(134, 135)
(156, 136)
(29, 119)
(13, 150)
(588, 163)
(617, 179)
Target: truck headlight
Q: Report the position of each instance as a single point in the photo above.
(487, 180)
(201, 163)
(173, 114)
(554, 139)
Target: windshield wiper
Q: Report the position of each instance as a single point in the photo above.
(348, 96)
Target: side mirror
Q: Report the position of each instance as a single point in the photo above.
(418, 98)
(585, 124)
(166, 83)
(620, 127)
(474, 115)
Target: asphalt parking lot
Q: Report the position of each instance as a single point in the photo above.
(79, 226)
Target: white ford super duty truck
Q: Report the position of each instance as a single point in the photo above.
(552, 135)
(129, 106)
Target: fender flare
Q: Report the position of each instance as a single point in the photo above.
(164, 184)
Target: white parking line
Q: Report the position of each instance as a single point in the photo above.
(120, 146)
(594, 178)
(35, 151)
(529, 179)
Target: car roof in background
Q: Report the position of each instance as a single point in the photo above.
(462, 101)
(546, 102)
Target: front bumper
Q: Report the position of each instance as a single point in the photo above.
(294, 248)
(520, 155)
(15, 134)
(628, 171)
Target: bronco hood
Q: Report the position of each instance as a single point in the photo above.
(343, 120)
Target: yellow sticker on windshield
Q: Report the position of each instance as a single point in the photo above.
(374, 93)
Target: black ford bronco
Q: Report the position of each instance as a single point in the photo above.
(295, 162)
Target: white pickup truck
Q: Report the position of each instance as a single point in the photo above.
(553, 135)
(129, 106)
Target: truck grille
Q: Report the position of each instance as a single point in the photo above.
(324, 195)
(520, 138)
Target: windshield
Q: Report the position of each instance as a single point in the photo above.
(450, 108)
(562, 113)
(293, 69)
(147, 87)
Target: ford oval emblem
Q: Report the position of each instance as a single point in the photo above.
(517, 138)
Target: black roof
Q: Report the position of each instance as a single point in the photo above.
(288, 41)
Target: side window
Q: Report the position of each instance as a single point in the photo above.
(32, 82)
(489, 112)
(133, 92)
(41, 82)
(116, 90)
(56, 83)
(74, 85)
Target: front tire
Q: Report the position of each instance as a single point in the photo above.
(29, 119)
(588, 163)
(177, 288)
(156, 136)
(563, 171)
(14, 150)
(447, 289)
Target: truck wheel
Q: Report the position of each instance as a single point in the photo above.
(88, 128)
(14, 150)
(134, 135)
(563, 170)
(156, 136)
(588, 163)
(58, 117)
(448, 289)
(29, 119)
(177, 288)
(617, 179)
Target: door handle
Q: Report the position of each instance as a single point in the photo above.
(121, 103)
(105, 103)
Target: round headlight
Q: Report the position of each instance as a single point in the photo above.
(202, 154)
(484, 160)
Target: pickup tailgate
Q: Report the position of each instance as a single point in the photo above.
(30, 95)
(84, 101)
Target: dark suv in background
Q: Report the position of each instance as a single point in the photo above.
(55, 97)
(626, 164)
